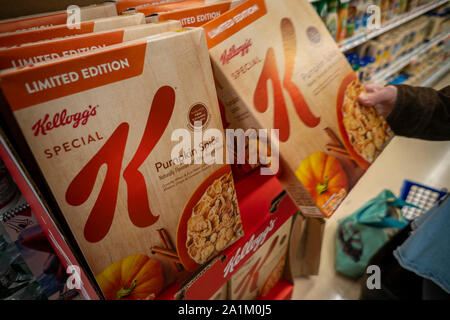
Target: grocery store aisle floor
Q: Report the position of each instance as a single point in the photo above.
(421, 161)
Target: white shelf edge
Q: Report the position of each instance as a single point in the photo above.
(381, 76)
(433, 79)
(406, 17)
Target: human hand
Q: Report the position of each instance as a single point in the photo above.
(383, 98)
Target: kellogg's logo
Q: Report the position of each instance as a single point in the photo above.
(253, 244)
(229, 54)
(61, 119)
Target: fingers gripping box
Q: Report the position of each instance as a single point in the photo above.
(100, 128)
(277, 67)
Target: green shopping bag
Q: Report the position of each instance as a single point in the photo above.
(362, 234)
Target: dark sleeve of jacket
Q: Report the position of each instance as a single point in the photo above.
(422, 113)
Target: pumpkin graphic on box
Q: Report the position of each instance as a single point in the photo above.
(137, 277)
(325, 179)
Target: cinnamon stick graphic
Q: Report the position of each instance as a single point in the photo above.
(337, 149)
(168, 252)
(170, 258)
(164, 252)
(333, 136)
(342, 154)
(165, 239)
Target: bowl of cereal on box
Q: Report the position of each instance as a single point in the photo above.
(210, 220)
(364, 131)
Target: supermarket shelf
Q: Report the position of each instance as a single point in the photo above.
(437, 75)
(389, 25)
(396, 66)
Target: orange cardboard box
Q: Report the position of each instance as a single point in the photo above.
(277, 67)
(56, 18)
(59, 48)
(99, 125)
(123, 5)
(11, 39)
(131, 5)
(150, 8)
(194, 16)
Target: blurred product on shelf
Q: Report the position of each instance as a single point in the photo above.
(342, 20)
(352, 18)
(28, 216)
(332, 18)
(385, 7)
(348, 18)
(16, 280)
(8, 189)
(32, 247)
(422, 68)
(322, 9)
(380, 53)
(29, 267)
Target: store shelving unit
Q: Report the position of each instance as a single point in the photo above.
(389, 25)
(396, 66)
(437, 76)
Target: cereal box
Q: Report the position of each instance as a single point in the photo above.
(277, 67)
(131, 5)
(124, 5)
(101, 126)
(11, 39)
(191, 16)
(50, 19)
(58, 48)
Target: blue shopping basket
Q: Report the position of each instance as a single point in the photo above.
(422, 196)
